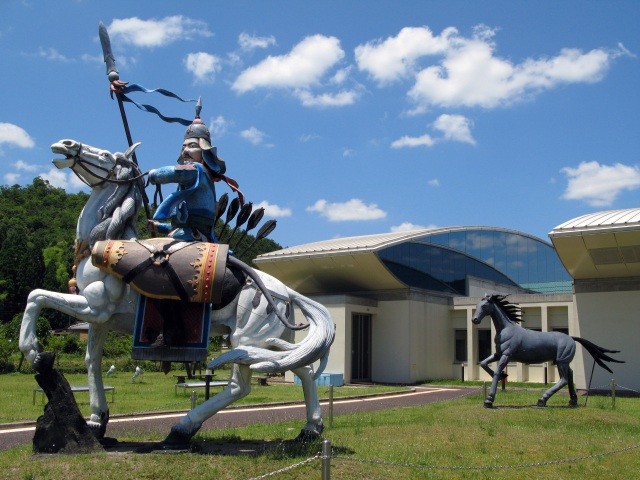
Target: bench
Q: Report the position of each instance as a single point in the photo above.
(262, 381)
(76, 388)
(190, 385)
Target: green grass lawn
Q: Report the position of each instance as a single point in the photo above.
(153, 391)
(456, 439)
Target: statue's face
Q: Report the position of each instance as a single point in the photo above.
(191, 151)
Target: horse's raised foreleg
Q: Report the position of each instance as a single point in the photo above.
(96, 304)
(314, 427)
(239, 386)
(497, 375)
(97, 398)
(38, 299)
(490, 359)
(566, 378)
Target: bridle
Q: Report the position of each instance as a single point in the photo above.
(108, 172)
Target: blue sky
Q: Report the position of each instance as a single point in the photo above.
(347, 118)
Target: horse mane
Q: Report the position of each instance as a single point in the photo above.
(512, 311)
(119, 213)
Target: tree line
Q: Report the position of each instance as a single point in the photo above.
(37, 232)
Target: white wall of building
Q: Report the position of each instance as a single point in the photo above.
(612, 320)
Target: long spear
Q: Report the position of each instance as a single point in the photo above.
(115, 86)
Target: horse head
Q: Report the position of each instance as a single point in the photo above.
(485, 307)
(92, 165)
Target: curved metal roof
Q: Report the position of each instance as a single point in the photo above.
(600, 221)
(369, 243)
(349, 264)
(600, 245)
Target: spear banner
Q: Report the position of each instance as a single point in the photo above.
(120, 89)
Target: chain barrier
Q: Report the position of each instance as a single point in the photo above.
(622, 387)
(288, 468)
(562, 461)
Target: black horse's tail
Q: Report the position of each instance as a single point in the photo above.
(598, 353)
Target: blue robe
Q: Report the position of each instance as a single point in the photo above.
(190, 210)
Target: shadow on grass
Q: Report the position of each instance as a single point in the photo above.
(231, 446)
(531, 407)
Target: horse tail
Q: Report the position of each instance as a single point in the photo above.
(598, 353)
(315, 346)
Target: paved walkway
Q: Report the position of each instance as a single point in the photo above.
(157, 426)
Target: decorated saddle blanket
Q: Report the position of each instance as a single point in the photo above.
(166, 268)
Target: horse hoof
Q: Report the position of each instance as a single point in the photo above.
(573, 402)
(307, 436)
(542, 403)
(488, 404)
(43, 363)
(176, 440)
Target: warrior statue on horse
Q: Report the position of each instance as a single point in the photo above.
(127, 284)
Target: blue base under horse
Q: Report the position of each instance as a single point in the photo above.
(515, 343)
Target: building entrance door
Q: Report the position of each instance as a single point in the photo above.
(360, 347)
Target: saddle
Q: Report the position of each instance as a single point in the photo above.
(166, 268)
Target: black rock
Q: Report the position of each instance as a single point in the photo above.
(61, 429)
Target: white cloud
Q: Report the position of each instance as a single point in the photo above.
(307, 137)
(56, 178)
(340, 99)
(11, 178)
(351, 210)
(253, 135)
(599, 185)
(341, 76)
(406, 141)
(271, 210)
(203, 66)
(471, 75)
(53, 55)
(15, 136)
(157, 33)
(395, 57)
(348, 152)
(302, 67)
(218, 126)
(434, 182)
(409, 227)
(455, 127)
(451, 70)
(22, 165)
(250, 42)
(62, 179)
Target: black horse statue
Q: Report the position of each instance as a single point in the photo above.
(513, 342)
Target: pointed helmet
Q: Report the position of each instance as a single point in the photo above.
(199, 131)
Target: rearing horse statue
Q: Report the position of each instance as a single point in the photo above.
(255, 307)
(513, 342)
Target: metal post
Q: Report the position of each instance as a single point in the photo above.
(503, 380)
(326, 460)
(545, 374)
(462, 372)
(207, 384)
(194, 399)
(613, 393)
(330, 406)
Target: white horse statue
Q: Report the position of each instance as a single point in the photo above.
(258, 329)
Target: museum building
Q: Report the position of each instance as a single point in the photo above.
(403, 301)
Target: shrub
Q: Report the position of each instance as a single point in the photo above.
(118, 345)
(68, 343)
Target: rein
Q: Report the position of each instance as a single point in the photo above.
(108, 171)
